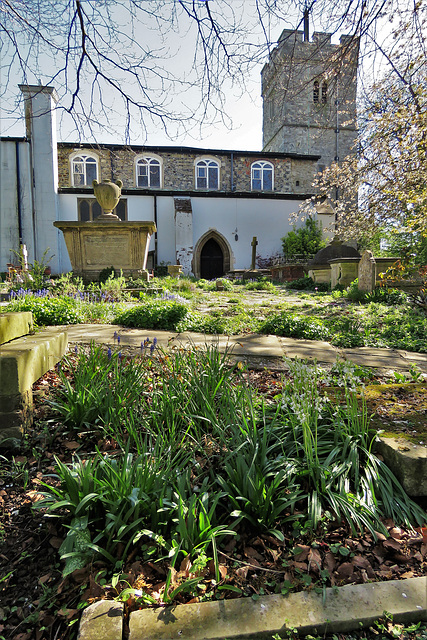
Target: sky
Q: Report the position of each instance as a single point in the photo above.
(243, 127)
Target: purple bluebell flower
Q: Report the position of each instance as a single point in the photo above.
(153, 346)
(120, 356)
(115, 336)
(76, 349)
(109, 353)
(154, 341)
(118, 339)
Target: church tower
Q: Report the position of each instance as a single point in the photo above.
(309, 96)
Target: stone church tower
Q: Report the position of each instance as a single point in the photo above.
(309, 96)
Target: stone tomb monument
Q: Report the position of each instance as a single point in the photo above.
(107, 241)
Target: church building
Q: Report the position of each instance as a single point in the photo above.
(207, 204)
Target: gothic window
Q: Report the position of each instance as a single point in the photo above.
(324, 92)
(316, 88)
(88, 209)
(84, 169)
(207, 174)
(262, 176)
(148, 172)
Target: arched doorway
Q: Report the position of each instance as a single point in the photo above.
(214, 252)
(211, 260)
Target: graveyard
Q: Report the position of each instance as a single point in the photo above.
(165, 463)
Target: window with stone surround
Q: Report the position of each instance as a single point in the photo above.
(320, 92)
(84, 169)
(262, 176)
(316, 91)
(88, 209)
(207, 174)
(148, 172)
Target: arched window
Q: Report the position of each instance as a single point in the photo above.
(262, 176)
(207, 174)
(316, 88)
(324, 92)
(148, 172)
(84, 169)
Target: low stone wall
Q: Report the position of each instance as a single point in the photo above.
(24, 359)
(287, 272)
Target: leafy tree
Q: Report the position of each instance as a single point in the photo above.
(304, 241)
(384, 188)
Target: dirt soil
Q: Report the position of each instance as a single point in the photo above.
(37, 603)
(399, 408)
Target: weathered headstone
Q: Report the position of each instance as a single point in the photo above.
(366, 272)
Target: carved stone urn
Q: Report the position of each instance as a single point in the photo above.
(108, 195)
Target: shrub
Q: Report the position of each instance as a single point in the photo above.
(293, 326)
(304, 241)
(49, 310)
(153, 314)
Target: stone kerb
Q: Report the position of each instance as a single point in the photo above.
(23, 360)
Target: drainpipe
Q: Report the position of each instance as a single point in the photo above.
(155, 233)
(232, 171)
(18, 193)
(33, 207)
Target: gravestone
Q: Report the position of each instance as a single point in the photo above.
(253, 272)
(366, 272)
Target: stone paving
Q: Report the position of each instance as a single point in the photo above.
(265, 347)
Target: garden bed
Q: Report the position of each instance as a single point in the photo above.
(254, 562)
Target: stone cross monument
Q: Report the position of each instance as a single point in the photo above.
(254, 246)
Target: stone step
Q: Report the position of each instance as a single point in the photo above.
(15, 325)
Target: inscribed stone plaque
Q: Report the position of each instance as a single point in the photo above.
(366, 272)
(108, 250)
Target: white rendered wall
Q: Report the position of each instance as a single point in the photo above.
(9, 225)
(266, 219)
(41, 128)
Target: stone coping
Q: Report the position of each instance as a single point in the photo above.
(15, 325)
(341, 610)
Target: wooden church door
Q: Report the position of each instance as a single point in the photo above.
(211, 260)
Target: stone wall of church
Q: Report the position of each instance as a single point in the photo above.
(178, 168)
(309, 96)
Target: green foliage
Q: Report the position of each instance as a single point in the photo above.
(99, 390)
(105, 274)
(301, 284)
(209, 455)
(380, 294)
(211, 285)
(49, 310)
(153, 314)
(109, 500)
(304, 241)
(67, 284)
(293, 326)
(34, 277)
(262, 284)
